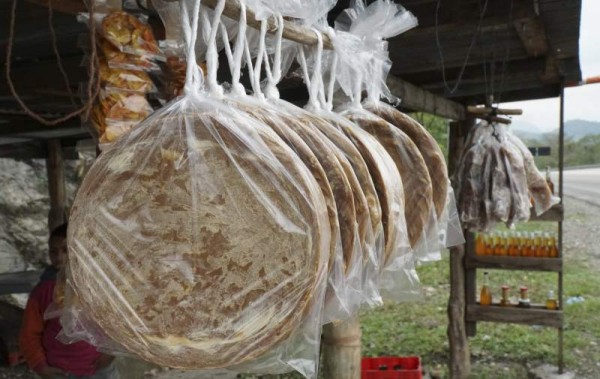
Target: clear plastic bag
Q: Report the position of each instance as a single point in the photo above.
(127, 33)
(294, 125)
(116, 112)
(134, 81)
(119, 60)
(200, 240)
(538, 188)
(493, 179)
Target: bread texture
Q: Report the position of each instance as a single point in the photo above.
(428, 147)
(411, 165)
(198, 240)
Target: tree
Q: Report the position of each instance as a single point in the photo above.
(437, 126)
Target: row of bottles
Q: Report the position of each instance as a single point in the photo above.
(486, 298)
(517, 244)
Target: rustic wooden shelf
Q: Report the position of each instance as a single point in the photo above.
(536, 315)
(556, 214)
(514, 263)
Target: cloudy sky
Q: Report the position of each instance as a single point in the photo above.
(580, 102)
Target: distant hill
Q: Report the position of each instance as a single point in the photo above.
(577, 129)
(526, 130)
(574, 129)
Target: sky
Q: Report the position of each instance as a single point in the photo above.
(580, 102)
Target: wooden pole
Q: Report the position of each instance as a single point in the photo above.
(291, 31)
(561, 159)
(56, 185)
(460, 356)
(341, 350)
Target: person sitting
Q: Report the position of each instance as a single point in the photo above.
(43, 352)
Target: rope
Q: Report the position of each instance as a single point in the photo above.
(212, 58)
(194, 76)
(93, 85)
(57, 54)
(235, 58)
(441, 53)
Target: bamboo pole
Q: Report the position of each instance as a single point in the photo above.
(291, 31)
(56, 185)
(341, 350)
(488, 110)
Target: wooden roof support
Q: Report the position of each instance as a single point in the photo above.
(417, 99)
(56, 185)
(532, 34)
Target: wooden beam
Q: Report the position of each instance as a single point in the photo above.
(514, 263)
(460, 358)
(417, 99)
(533, 36)
(64, 6)
(56, 185)
(417, 51)
(341, 350)
(514, 315)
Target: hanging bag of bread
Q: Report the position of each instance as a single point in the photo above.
(398, 278)
(292, 131)
(493, 180)
(329, 125)
(200, 241)
(388, 19)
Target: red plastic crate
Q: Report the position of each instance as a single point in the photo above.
(392, 368)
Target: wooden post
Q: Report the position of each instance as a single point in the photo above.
(56, 185)
(341, 350)
(460, 356)
(561, 163)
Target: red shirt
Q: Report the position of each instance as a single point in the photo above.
(37, 339)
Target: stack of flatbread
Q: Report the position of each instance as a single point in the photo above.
(498, 180)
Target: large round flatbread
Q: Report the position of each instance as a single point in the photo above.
(361, 203)
(192, 255)
(271, 119)
(427, 145)
(388, 184)
(412, 168)
(332, 129)
(338, 177)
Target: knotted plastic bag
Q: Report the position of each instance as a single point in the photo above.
(200, 241)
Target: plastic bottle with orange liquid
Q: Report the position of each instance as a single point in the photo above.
(485, 296)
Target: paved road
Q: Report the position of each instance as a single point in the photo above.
(581, 184)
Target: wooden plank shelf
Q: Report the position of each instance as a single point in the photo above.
(514, 263)
(536, 315)
(556, 214)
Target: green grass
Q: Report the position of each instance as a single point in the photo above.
(420, 328)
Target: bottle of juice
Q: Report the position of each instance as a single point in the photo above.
(551, 302)
(552, 247)
(545, 248)
(489, 244)
(527, 248)
(504, 243)
(498, 244)
(485, 296)
(520, 244)
(512, 245)
(537, 245)
(479, 244)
